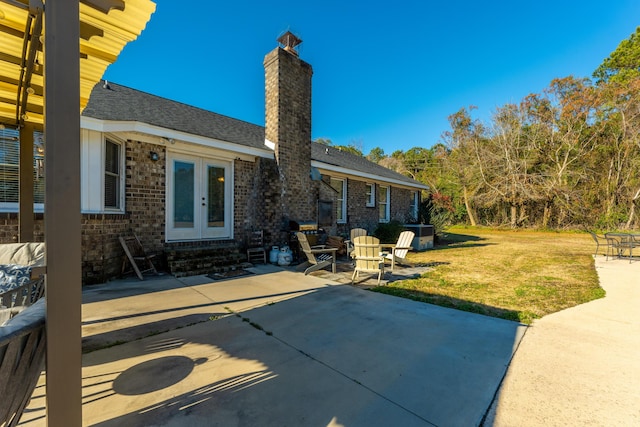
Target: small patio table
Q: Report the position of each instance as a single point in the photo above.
(621, 242)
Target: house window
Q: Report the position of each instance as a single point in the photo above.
(415, 203)
(112, 175)
(340, 185)
(10, 170)
(371, 195)
(383, 204)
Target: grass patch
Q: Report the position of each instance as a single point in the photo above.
(514, 275)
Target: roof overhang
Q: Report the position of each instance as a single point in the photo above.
(328, 168)
(106, 26)
(138, 131)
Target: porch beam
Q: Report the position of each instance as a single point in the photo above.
(62, 214)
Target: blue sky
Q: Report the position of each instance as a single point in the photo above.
(386, 74)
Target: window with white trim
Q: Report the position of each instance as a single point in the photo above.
(112, 175)
(340, 185)
(415, 203)
(383, 204)
(10, 169)
(371, 195)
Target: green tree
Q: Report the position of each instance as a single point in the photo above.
(376, 154)
(623, 65)
(323, 141)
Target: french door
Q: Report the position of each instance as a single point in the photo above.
(199, 198)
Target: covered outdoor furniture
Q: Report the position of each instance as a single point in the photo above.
(21, 277)
(600, 240)
(256, 250)
(367, 257)
(318, 257)
(398, 252)
(355, 232)
(136, 256)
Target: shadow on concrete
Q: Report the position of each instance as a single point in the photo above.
(337, 355)
(145, 328)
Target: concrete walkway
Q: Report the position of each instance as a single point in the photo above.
(278, 348)
(580, 366)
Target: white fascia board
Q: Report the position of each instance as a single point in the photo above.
(324, 167)
(159, 135)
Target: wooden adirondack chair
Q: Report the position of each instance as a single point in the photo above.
(355, 232)
(318, 257)
(367, 257)
(398, 252)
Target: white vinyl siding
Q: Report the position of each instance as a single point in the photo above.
(102, 168)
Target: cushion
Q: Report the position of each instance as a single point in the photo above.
(30, 253)
(13, 275)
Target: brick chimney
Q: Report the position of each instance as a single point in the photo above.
(288, 126)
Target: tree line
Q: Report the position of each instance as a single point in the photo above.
(568, 157)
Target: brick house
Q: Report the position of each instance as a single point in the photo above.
(189, 181)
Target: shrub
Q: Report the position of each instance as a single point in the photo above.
(389, 232)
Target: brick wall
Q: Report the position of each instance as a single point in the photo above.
(102, 254)
(145, 193)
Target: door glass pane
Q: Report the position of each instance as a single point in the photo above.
(183, 197)
(215, 183)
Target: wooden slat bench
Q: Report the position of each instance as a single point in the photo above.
(22, 353)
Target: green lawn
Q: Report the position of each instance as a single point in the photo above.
(515, 275)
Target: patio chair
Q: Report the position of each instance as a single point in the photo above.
(255, 247)
(398, 252)
(318, 257)
(600, 240)
(355, 232)
(136, 256)
(367, 257)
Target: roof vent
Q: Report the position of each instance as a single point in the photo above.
(289, 42)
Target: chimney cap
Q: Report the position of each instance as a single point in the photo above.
(289, 42)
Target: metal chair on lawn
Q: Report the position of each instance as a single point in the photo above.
(600, 240)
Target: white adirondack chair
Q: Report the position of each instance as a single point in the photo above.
(367, 258)
(398, 252)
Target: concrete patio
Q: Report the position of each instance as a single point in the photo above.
(280, 348)
(277, 348)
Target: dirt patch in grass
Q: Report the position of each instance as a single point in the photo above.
(515, 275)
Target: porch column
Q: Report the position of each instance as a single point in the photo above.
(25, 210)
(62, 213)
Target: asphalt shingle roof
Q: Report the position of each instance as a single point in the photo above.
(120, 103)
